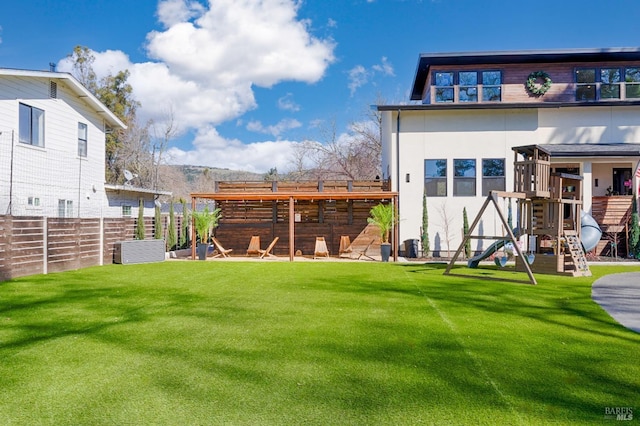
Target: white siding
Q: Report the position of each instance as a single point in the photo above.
(56, 171)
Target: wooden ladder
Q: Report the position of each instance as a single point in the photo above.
(574, 247)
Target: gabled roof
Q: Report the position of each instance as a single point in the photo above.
(427, 60)
(593, 150)
(75, 86)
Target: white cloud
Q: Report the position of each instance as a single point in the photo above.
(359, 76)
(274, 130)
(287, 103)
(211, 149)
(208, 58)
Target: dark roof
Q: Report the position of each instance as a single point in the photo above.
(427, 60)
(593, 150)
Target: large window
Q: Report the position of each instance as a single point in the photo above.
(610, 83)
(586, 84)
(82, 140)
(31, 125)
(493, 175)
(444, 86)
(435, 178)
(464, 178)
(468, 86)
(491, 86)
(632, 83)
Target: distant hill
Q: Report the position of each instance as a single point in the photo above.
(193, 173)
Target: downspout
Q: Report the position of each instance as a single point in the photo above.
(396, 232)
(11, 174)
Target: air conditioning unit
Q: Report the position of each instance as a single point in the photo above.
(139, 251)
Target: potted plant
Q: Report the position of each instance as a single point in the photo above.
(384, 217)
(204, 222)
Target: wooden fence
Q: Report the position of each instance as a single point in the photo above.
(38, 245)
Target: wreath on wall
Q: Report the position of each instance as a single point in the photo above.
(538, 89)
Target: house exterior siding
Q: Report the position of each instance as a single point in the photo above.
(489, 130)
(37, 181)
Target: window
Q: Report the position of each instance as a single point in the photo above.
(126, 211)
(435, 178)
(444, 86)
(468, 86)
(65, 208)
(82, 140)
(31, 125)
(491, 86)
(610, 83)
(464, 178)
(493, 175)
(33, 201)
(632, 83)
(586, 84)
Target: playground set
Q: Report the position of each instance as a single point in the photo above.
(550, 221)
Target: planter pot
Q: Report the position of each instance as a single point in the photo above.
(385, 251)
(201, 249)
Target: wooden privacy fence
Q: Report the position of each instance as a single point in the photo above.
(32, 245)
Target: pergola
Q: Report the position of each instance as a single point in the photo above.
(292, 197)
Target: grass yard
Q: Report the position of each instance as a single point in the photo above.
(314, 343)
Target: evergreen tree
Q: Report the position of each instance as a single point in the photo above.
(140, 231)
(184, 235)
(172, 237)
(157, 224)
(634, 234)
(424, 230)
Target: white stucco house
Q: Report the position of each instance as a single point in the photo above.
(455, 139)
(52, 150)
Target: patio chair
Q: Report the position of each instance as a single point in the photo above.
(254, 246)
(363, 252)
(267, 251)
(221, 250)
(345, 247)
(321, 249)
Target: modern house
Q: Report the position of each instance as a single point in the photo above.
(52, 150)
(455, 141)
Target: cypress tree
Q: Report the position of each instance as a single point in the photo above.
(465, 226)
(140, 225)
(157, 224)
(172, 237)
(634, 234)
(424, 231)
(184, 235)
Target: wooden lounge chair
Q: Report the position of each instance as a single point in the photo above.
(254, 246)
(345, 247)
(267, 251)
(221, 250)
(321, 249)
(363, 252)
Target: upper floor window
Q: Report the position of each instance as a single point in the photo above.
(65, 208)
(491, 86)
(464, 177)
(444, 86)
(610, 83)
(82, 140)
(468, 86)
(493, 175)
(435, 178)
(632, 82)
(586, 84)
(31, 122)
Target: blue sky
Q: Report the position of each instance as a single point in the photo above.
(247, 80)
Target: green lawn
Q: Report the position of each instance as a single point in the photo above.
(314, 343)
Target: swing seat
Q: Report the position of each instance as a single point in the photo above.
(531, 257)
(500, 261)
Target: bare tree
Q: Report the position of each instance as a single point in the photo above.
(446, 223)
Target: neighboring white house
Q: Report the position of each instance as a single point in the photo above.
(52, 150)
(455, 143)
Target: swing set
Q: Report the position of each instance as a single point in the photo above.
(501, 241)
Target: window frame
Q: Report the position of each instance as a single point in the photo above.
(459, 181)
(28, 126)
(631, 83)
(463, 88)
(502, 186)
(434, 185)
(83, 143)
(491, 86)
(440, 88)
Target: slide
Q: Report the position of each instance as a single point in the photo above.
(474, 261)
(590, 232)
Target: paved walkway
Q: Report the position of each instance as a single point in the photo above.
(619, 295)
